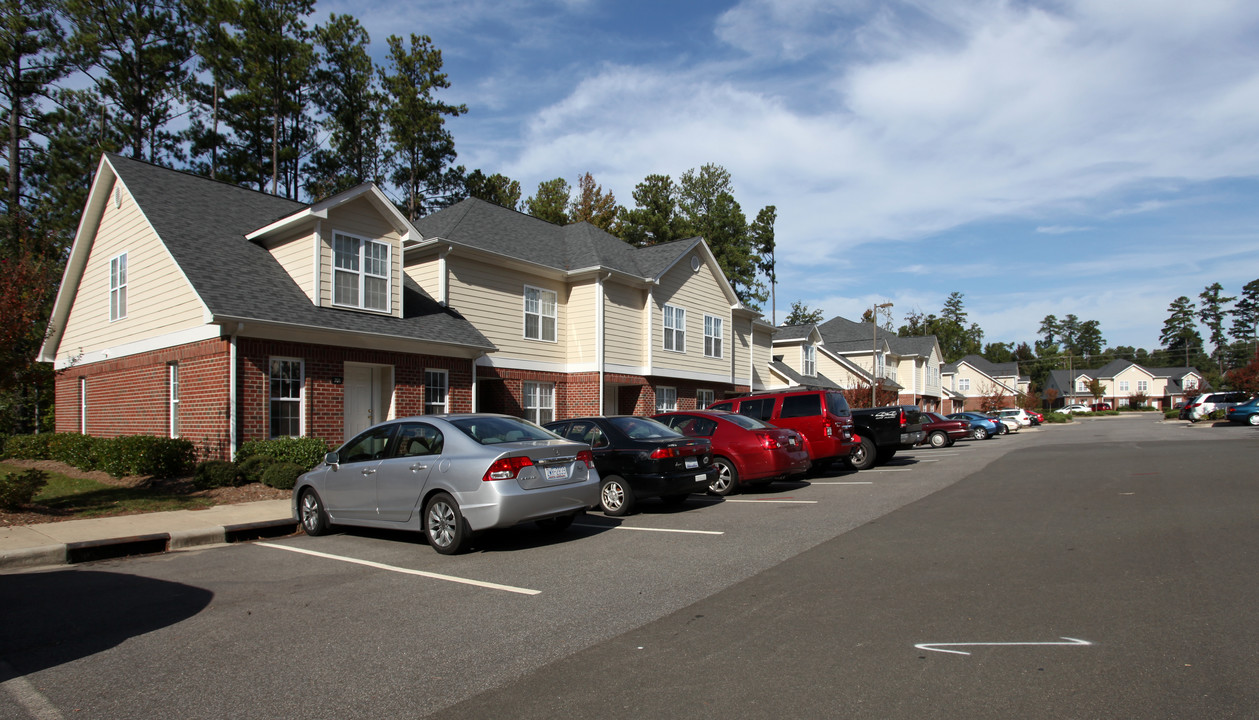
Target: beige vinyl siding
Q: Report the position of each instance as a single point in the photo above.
(492, 299)
(698, 293)
(623, 325)
(361, 219)
(741, 349)
(424, 274)
(582, 309)
(296, 255)
(159, 299)
(835, 371)
(762, 352)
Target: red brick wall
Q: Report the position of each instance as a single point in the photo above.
(577, 394)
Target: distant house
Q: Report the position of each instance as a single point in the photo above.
(977, 382)
(910, 365)
(203, 310)
(1121, 380)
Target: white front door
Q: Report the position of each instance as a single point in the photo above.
(367, 392)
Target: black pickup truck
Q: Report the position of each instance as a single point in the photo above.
(883, 431)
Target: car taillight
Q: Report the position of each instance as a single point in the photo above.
(903, 423)
(585, 456)
(662, 453)
(767, 441)
(508, 468)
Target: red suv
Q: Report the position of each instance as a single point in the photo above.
(822, 417)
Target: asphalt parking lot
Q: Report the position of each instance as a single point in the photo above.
(807, 599)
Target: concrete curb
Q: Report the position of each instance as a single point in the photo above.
(154, 543)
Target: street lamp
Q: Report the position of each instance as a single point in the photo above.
(874, 357)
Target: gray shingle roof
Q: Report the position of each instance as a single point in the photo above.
(203, 223)
(819, 381)
(993, 370)
(793, 332)
(844, 335)
(486, 226)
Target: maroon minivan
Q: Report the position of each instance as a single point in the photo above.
(822, 417)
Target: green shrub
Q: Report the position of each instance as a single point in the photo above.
(28, 447)
(213, 474)
(146, 455)
(1057, 417)
(1216, 415)
(1172, 414)
(252, 468)
(75, 449)
(18, 489)
(4, 439)
(282, 475)
(305, 451)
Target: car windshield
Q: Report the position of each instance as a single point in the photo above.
(638, 428)
(495, 430)
(748, 423)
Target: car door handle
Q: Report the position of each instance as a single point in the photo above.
(369, 471)
(418, 466)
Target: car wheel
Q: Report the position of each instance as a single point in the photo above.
(1002, 429)
(1253, 419)
(557, 524)
(674, 500)
(979, 433)
(938, 439)
(444, 525)
(727, 481)
(314, 519)
(615, 496)
(863, 456)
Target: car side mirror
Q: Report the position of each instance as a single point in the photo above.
(332, 459)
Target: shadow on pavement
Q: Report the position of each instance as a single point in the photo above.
(51, 618)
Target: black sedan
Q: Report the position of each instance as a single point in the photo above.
(640, 458)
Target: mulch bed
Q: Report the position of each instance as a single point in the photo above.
(182, 486)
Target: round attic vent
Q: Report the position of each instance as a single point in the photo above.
(695, 263)
(117, 196)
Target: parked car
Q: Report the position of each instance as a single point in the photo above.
(450, 477)
(639, 458)
(982, 426)
(1098, 407)
(1074, 408)
(882, 432)
(943, 432)
(1036, 417)
(822, 418)
(1205, 404)
(1247, 412)
(746, 451)
(1019, 415)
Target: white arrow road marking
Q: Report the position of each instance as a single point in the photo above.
(939, 647)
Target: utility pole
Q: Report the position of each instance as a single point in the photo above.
(874, 356)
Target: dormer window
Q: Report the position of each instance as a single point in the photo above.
(360, 274)
(808, 361)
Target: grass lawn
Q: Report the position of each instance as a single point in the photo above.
(70, 497)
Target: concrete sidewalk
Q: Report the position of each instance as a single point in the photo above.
(74, 541)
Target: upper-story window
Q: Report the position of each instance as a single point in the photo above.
(674, 328)
(1123, 386)
(541, 308)
(1081, 385)
(118, 287)
(963, 384)
(1190, 383)
(808, 360)
(360, 272)
(1143, 385)
(713, 333)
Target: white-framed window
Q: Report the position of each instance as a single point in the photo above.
(1081, 386)
(963, 383)
(713, 334)
(118, 287)
(287, 380)
(436, 392)
(539, 402)
(174, 400)
(360, 272)
(808, 360)
(541, 313)
(1123, 386)
(674, 328)
(1190, 384)
(704, 398)
(666, 399)
(82, 406)
(1143, 385)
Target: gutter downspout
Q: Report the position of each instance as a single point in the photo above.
(599, 335)
(231, 392)
(474, 384)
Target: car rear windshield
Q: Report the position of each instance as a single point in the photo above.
(747, 423)
(837, 405)
(495, 430)
(637, 428)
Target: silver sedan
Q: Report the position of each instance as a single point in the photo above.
(449, 477)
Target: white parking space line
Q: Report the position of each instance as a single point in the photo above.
(883, 470)
(771, 500)
(647, 529)
(842, 482)
(405, 571)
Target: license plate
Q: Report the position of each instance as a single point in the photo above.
(558, 472)
(791, 442)
(701, 478)
(692, 463)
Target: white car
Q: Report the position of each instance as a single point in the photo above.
(1073, 409)
(1018, 414)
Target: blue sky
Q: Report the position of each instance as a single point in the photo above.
(1064, 156)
